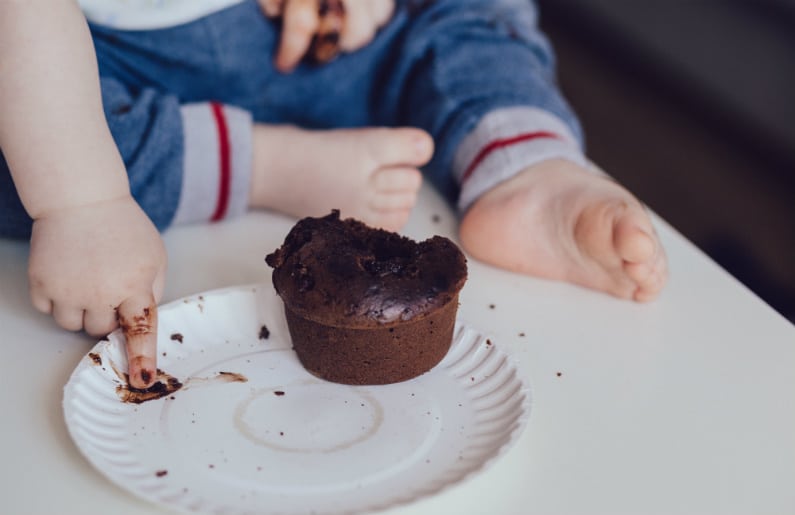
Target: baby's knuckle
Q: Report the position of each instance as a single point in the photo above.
(70, 323)
(37, 282)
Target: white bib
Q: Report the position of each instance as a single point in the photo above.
(149, 14)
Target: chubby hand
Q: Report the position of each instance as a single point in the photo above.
(99, 266)
(322, 28)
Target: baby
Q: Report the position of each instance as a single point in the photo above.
(161, 113)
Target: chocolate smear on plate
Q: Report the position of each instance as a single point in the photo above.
(232, 377)
(164, 385)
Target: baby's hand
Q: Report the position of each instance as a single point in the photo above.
(332, 25)
(97, 266)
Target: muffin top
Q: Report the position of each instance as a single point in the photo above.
(344, 273)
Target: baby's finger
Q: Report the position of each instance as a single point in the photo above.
(381, 10)
(41, 301)
(360, 29)
(99, 322)
(300, 21)
(68, 317)
(138, 320)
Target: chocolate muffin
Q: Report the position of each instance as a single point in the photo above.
(364, 305)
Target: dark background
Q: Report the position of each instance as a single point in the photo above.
(691, 105)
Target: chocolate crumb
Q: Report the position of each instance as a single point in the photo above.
(492, 306)
(559, 374)
(436, 219)
(212, 466)
(264, 333)
(177, 337)
(278, 393)
(488, 342)
(521, 335)
(281, 433)
(96, 358)
(161, 473)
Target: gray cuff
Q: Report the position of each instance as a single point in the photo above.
(505, 142)
(217, 163)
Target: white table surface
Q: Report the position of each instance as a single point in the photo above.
(682, 406)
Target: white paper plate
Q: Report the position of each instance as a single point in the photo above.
(285, 441)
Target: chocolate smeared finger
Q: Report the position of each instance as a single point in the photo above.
(137, 324)
(326, 42)
(137, 317)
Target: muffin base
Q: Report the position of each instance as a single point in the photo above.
(380, 355)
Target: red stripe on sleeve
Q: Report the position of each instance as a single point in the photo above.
(501, 143)
(225, 165)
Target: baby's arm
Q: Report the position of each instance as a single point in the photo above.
(93, 250)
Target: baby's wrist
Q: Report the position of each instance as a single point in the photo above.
(76, 204)
(78, 179)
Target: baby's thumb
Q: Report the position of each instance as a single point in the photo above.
(138, 321)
